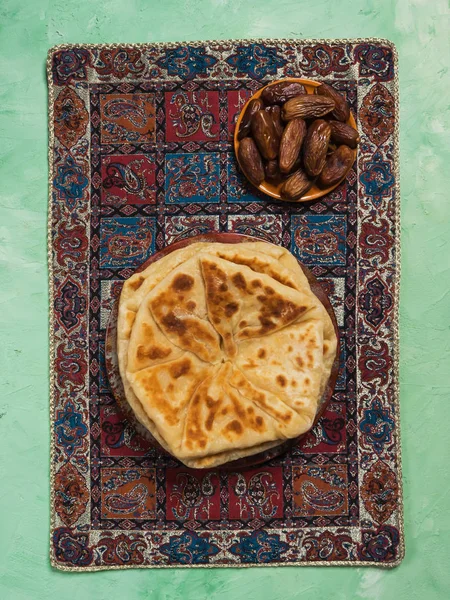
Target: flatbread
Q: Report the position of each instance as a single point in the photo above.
(223, 350)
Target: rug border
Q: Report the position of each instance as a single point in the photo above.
(51, 137)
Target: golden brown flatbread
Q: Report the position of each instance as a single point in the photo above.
(223, 349)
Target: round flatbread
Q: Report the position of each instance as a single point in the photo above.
(224, 351)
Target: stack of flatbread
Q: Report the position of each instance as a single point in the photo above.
(224, 351)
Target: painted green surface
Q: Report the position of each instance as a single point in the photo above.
(420, 30)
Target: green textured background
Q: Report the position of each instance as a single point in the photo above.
(420, 28)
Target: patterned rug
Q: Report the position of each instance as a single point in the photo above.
(141, 156)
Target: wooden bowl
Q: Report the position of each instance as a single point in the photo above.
(273, 188)
(112, 365)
